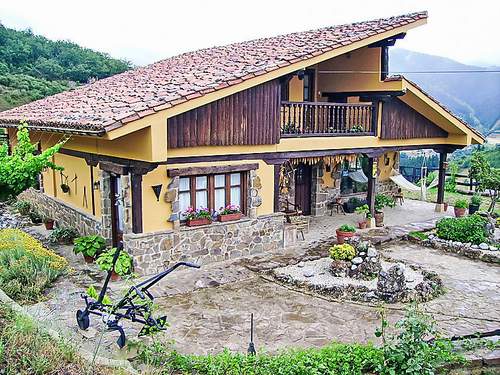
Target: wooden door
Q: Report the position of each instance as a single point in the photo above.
(303, 180)
(117, 216)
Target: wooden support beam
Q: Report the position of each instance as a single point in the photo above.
(277, 170)
(441, 177)
(192, 171)
(372, 178)
(136, 187)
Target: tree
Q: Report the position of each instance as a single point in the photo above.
(488, 178)
(20, 169)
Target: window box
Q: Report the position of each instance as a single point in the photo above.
(198, 222)
(230, 217)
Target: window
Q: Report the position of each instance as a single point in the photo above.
(214, 191)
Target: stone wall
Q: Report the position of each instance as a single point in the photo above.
(65, 215)
(153, 252)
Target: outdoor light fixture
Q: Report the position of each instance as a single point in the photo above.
(97, 185)
(301, 74)
(157, 190)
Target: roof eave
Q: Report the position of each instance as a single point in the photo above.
(57, 129)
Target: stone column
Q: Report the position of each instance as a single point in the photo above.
(105, 185)
(126, 195)
(172, 197)
(254, 199)
(319, 196)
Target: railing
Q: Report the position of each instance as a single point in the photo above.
(327, 119)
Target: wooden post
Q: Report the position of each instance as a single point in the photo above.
(441, 180)
(370, 196)
(136, 182)
(277, 170)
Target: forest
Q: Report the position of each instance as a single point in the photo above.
(32, 66)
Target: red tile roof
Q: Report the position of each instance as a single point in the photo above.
(128, 96)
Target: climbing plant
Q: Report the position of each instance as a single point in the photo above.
(19, 169)
(488, 178)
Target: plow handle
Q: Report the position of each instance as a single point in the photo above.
(146, 284)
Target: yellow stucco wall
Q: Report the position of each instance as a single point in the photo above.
(385, 169)
(296, 90)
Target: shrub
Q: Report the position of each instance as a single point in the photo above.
(382, 201)
(461, 203)
(89, 245)
(363, 210)
(35, 216)
(464, 229)
(123, 264)
(342, 252)
(17, 239)
(63, 235)
(347, 228)
(23, 207)
(476, 200)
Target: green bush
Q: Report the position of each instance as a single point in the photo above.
(89, 245)
(24, 276)
(461, 203)
(123, 264)
(342, 252)
(23, 207)
(464, 229)
(382, 200)
(476, 200)
(63, 235)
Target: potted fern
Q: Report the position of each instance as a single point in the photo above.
(345, 231)
(229, 213)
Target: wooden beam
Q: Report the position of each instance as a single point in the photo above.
(387, 42)
(384, 63)
(192, 171)
(441, 177)
(136, 187)
(113, 168)
(277, 170)
(370, 195)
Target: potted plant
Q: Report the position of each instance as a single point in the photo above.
(474, 204)
(200, 216)
(460, 207)
(63, 236)
(35, 216)
(364, 211)
(382, 201)
(345, 231)
(48, 222)
(23, 207)
(123, 264)
(89, 246)
(230, 213)
(351, 204)
(446, 204)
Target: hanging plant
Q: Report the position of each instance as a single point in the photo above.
(65, 188)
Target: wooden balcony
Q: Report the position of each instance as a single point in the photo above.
(308, 119)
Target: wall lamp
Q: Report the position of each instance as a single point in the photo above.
(157, 191)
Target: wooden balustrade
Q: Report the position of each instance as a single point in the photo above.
(327, 119)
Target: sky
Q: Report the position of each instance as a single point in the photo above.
(148, 30)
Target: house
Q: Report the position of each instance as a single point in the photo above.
(261, 124)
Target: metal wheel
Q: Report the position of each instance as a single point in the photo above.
(83, 320)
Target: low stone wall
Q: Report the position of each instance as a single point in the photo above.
(64, 214)
(152, 252)
(386, 187)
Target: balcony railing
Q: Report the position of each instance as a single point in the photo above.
(327, 119)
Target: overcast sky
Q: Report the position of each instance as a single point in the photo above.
(145, 31)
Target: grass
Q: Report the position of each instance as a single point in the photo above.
(419, 235)
(449, 197)
(25, 349)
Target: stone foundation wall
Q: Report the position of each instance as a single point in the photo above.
(153, 252)
(65, 215)
(386, 187)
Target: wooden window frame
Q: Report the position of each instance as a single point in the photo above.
(211, 190)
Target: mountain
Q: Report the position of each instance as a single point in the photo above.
(473, 96)
(32, 66)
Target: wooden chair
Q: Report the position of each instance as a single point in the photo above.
(399, 197)
(290, 209)
(301, 223)
(337, 205)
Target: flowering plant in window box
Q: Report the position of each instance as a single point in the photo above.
(196, 217)
(230, 213)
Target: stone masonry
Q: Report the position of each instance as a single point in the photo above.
(64, 214)
(152, 252)
(319, 195)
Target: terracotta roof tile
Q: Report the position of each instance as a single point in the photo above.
(187, 76)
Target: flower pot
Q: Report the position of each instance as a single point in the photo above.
(230, 217)
(379, 219)
(370, 223)
(88, 259)
(49, 224)
(445, 207)
(362, 224)
(198, 222)
(341, 236)
(114, 276)
(459, 212)
(473, 208)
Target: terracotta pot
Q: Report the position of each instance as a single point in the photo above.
(230, 217)
(445, 207)
(88, 259)
(114, 276)
(49, 224)
(362, 224)
(459, 212)
(473, 208)
(341, 236)
(379, 219)
(198, 222)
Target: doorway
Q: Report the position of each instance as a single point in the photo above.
(303, 181)
(117, 212)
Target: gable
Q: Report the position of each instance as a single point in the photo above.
(400, 121)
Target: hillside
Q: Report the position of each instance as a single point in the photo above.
(32, 66)
(473, 96)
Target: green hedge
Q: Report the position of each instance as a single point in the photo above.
(464, 229)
